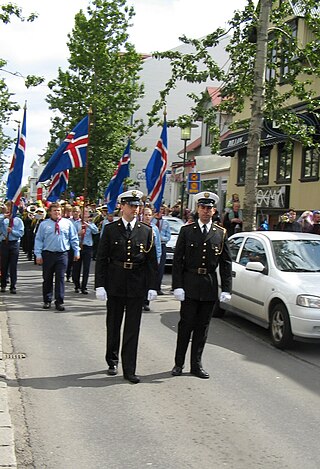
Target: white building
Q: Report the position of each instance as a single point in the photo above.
(154, 75)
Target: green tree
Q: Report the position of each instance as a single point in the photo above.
(259, 36)
(103, 74)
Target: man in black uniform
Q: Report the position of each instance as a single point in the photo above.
(200, 248)
(126, 273)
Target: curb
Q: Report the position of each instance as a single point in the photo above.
(7, 443)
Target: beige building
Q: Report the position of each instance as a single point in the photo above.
(288, 172)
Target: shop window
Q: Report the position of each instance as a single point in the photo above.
(264, 163)
(242, 158)
(310, 164)
(284, 166)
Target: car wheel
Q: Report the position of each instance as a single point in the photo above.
(217, 312)
(280, 327)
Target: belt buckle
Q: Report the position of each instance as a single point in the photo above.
(202, 271)
(128, 265)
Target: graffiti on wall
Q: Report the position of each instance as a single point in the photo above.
(272, 197)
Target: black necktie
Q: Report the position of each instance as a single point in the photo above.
(129, 230)
(204, 230)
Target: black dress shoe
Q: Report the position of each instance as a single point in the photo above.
(77, 290)
(112, 370)
(3, 289)
(46, 305)
(13, 290)
(200, 373)
(60, 307)
(84, 292)
(132, 378)
(176, 371)
(160, 292)
(146, 308)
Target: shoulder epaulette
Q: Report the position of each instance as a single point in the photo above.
(220, 227)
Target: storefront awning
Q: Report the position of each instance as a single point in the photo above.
(269, 135)
(237, 140)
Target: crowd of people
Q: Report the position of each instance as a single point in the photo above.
(129, 247)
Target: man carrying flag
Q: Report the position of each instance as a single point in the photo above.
(72, 153)
(11, 227)
(156, 169)
(115, 186)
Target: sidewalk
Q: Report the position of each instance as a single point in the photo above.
(7, 446)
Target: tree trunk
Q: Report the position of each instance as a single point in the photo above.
(256, 120)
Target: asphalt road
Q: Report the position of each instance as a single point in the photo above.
(260, 408)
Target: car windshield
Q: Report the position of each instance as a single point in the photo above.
(297, 255)
(175, 226)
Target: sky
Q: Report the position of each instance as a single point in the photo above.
(40, 48)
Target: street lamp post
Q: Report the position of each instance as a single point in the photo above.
(185, 136)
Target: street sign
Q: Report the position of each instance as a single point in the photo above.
(193, 183)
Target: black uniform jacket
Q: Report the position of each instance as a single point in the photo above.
(195, 261)
(126, 266)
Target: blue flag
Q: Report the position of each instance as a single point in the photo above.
(58, 185)
(157, 168)
(115, 185)
(16, 167)
(72, 153)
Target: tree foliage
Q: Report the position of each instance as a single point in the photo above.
(292, 67)
(103, 74)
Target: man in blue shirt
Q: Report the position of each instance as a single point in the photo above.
(165, 235)
(85, 231)
(11, 232)
(53, 241)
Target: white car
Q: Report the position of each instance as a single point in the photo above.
(276, 283)
(175, 227)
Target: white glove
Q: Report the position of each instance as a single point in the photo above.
(179, 294)
(101, 294)
(152, 295)
(225, 297)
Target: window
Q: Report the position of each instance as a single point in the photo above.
(272, 58)
(310, 164)
(253, 251)
(264, 163)
(235, 245)
(287, 50)
(208, 136)
(284, 162)
(242, 157)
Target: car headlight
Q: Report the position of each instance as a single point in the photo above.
(308, 301)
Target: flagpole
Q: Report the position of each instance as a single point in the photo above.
(85, 189)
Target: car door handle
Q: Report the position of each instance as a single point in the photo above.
(233, 274)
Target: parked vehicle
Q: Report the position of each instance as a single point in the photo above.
(175, 227)
(276, 278)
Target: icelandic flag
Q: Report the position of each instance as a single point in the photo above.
(16, 167)
(115, 185)
(156, 169)
(72, 153)
(58, 185)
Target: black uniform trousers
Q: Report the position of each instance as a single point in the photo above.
(195, 318)
(162, 265)
(84, 262)
(116, 305)
(9, 262)
(54, 265)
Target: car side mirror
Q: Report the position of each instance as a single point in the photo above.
(255, 267)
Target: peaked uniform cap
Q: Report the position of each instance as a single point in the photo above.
(132, 197)
(209, 199)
